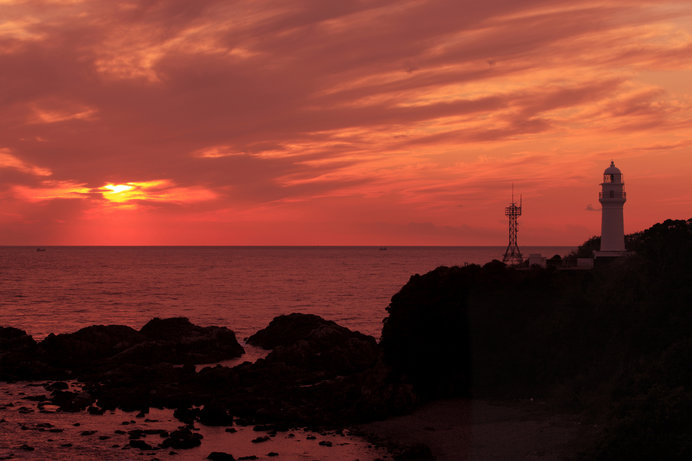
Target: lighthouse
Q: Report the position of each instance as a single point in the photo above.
(612, 198)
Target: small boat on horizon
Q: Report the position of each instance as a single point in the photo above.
(40, 249)
(383, 248)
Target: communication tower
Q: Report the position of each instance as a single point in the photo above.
(512, 254)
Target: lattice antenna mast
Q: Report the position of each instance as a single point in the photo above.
(512, 253)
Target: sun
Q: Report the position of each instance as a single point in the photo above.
(117, 188)
(118, 192)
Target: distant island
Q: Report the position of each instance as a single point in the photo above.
(613, 344)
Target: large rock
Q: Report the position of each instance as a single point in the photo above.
(310, 342)
(100, 349)
(285, 330)
(14, 339)
(88, 346)
(18, 358)
(177, 340)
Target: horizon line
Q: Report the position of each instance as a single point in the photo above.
(278, 246)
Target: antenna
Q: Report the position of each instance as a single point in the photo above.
(512, 253)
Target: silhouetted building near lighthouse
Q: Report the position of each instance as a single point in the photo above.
(612, 198)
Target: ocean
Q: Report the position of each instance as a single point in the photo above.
(63, 289)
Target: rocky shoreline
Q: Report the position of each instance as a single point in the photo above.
(318, 375)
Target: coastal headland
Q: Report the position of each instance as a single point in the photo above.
(607, 349)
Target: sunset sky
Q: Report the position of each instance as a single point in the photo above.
(317, 122)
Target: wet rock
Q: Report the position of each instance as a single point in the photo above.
(215, 414)
(231, 430)
(135, 434)
(71, 401)
(186, 415)
(220, 456)
(86, 433)
(141, 444)
(95, 410)
(26, 447)
(182, 438)
(272, 454)
(57, 386)
(249, 457)
(325, 443)
(261, 439)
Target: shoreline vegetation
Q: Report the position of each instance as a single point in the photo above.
(600, 359)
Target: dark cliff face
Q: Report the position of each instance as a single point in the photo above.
(616, 340)
(425, 339)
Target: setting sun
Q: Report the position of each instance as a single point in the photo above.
(120, 193)
(115, 189)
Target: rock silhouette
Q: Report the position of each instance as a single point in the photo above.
(102, 347)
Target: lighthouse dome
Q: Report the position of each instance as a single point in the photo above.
(612, 169)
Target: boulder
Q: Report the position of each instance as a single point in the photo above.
(220, 456)
(14, 339)
(18, 358)
(177, 340)
(71, 401)
(182, 439)
(88, 346)
(286, 330)
(312, 343)
(215, 414)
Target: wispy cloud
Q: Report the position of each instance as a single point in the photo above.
(269, 110)
(9, 160)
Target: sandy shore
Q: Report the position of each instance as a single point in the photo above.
(482, 430)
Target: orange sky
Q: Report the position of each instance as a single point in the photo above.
(216, 122)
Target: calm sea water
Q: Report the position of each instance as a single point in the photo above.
(63, 289)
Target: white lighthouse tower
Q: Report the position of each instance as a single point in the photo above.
(612, 198)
